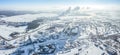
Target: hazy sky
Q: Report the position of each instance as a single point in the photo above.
(42, 3)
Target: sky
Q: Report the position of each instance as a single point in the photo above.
(53, 3)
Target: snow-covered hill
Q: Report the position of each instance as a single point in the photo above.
(74, 31)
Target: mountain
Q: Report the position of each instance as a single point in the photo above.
(75, 31)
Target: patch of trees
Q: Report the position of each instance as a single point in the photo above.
(46, 49)
(34, 24)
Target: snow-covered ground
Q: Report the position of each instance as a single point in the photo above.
(27, 17)
(71, 32)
